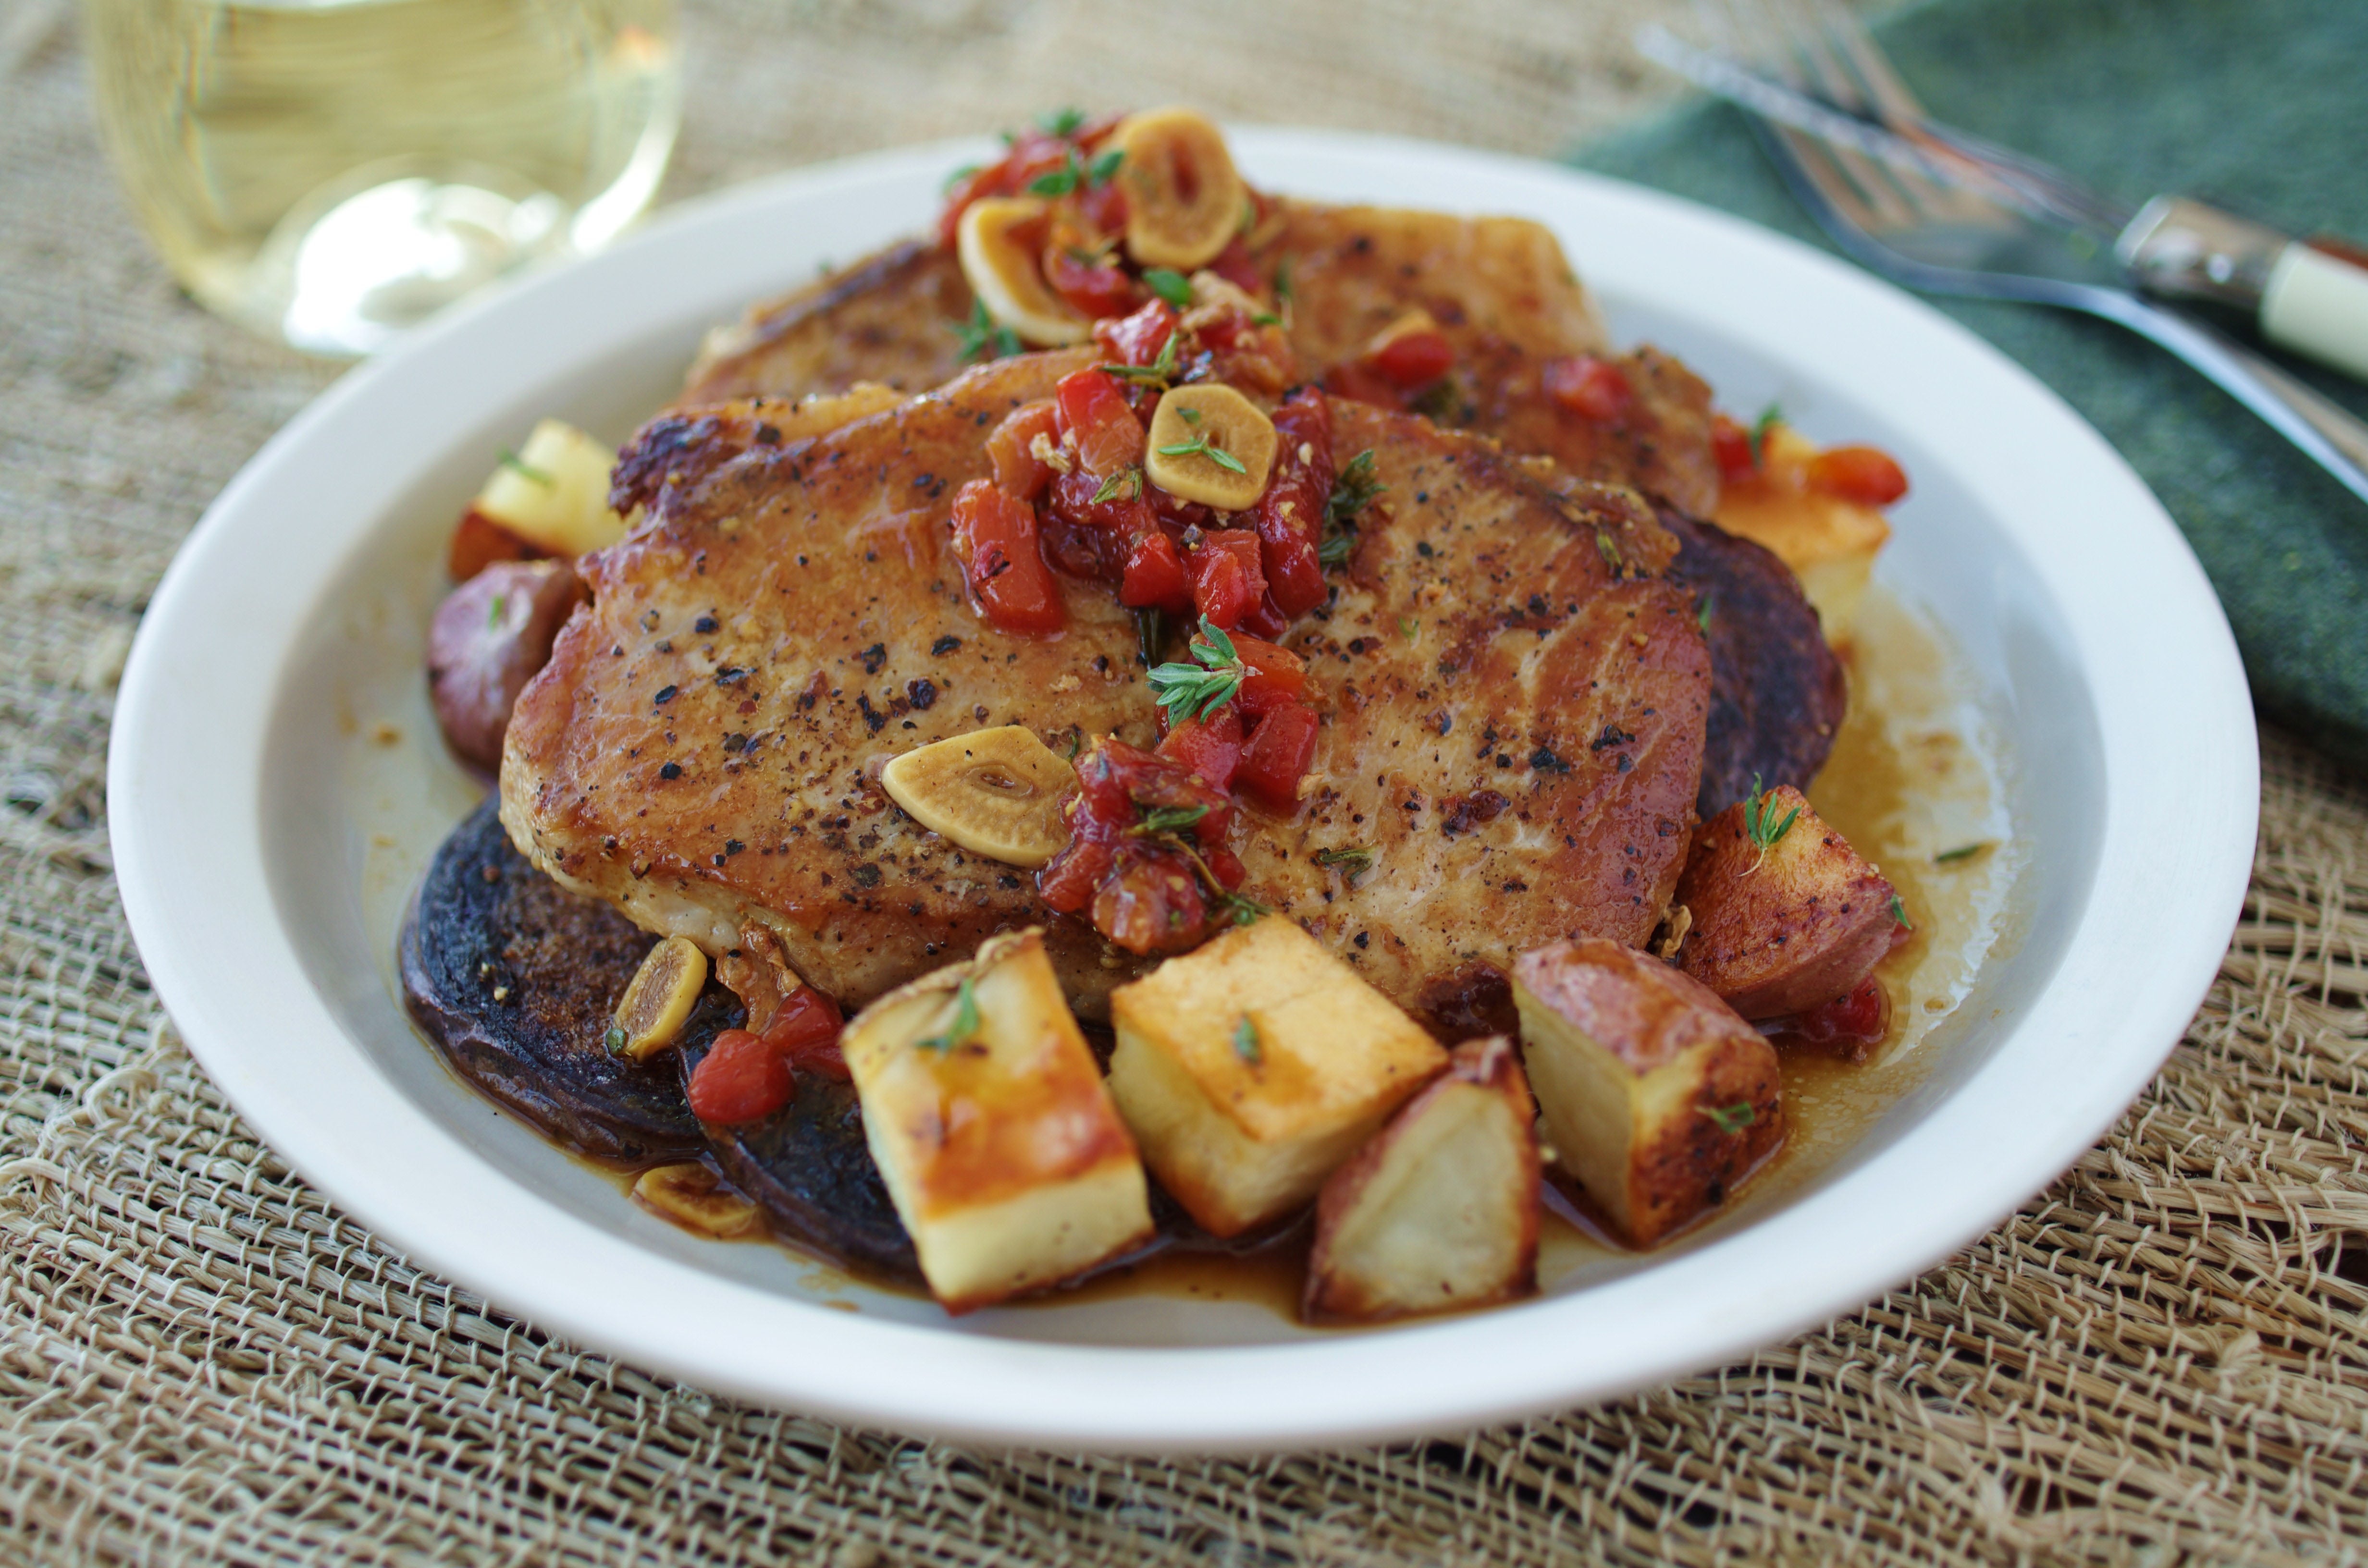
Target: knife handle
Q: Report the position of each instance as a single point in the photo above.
(2310, 297)
(2316, 303)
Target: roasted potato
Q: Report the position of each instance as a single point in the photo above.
(1829, 543)
(1252, 1067)
(553, 492)
(487, 640)
(1659, 1099)
(1439, 1208)
(987, 1117)
(1779, 926)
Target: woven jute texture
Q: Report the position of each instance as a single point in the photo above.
(2158, 1360)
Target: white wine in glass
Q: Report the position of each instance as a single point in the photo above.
(329, 172)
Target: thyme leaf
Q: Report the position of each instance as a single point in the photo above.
(1702, 613)
(1160, 820)
(1160, 371)
(965, 1023)
(1061, 121)
(525, 470)
(1245, 1042)
(1198, 447)
(1730, 1118)
(1169, 285)
(1105, 166)
(1769, 418)
(1759, 820)
(984, 337)
(1193, 691)
(1353, 488)
(1353, 862)
(1129, 480)
(1963, 852)
(1900, 914)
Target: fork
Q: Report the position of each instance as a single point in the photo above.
(1984, 221)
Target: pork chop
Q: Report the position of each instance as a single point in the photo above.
(1500, 290)
(1514, 698)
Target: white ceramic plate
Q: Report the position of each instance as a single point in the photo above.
(275, 784)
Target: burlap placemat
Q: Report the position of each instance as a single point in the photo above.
(2158, 1360)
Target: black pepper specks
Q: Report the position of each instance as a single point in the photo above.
(923, 694)
(874, 658)
(867, 876)
(944, 645)
(671, 770)
(665, 696)
(704, 624)
(1546, 761)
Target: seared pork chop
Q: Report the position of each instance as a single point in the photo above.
(1499, 289)
(1514, 699)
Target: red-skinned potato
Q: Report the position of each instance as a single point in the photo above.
(1659, 1099)
(1784, 928)
(1439, 1208)
(490, 635)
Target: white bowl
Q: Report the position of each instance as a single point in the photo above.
(276, 784)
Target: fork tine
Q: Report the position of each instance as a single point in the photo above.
(1847, 36)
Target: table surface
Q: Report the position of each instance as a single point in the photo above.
(200, 1359)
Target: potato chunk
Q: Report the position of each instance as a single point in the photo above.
(1251, 1067)
(1661, 1100)
(1440, 1209)
(554, 493)
(1783, 931)
(987, 1117)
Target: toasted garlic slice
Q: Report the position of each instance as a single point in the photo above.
(658, 999)
(1184, 199)
(1004, 273)
(1210, 444)
(995, 793)
(691, 1196)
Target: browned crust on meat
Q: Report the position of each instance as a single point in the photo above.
(888, 318)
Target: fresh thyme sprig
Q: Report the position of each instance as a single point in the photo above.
(982, 333)
(1198, 447)
(1194, 691)
(526, 470)
(1150, 630)
(1245, 1042)
(1105, 166)
(1730, 1118)
(1159, 372)
(1061, 121)
(1900, 914)
(1701, 612)
(1161, 820)
(1759, 821)
(1963, 852)
(1353, 862)
(965, 1022)
(1126, 480)
(1353, 489)
(497, 610)
(1245, 911)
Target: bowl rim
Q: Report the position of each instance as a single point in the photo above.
(2180, 789)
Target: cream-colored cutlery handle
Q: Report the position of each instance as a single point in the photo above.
(2316, 304)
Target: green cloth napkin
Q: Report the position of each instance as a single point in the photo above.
(2260, 105)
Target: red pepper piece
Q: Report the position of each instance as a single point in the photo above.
(1415, 358)
(1860, 474)
(1228, 579)
(1155, 575)
(1730, 443)
(1208, 747)
(1137, 339)
(1018, 471)
(1097, 288)
(1151, 899)
(1093, 409)
(805, 1032)
(1234, 264)
(1856, 1019)
(1591, 388)
(741, 1078)
(1290, 517)
(1277, 678)
(995, 534)
(1277, 756)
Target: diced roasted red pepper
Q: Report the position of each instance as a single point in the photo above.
(805, 1032)
(1019, 471)
(1103, 206)
(1277, 678)
(1290, 517)
(1591, 388)
(1150, 900)
(1730, 443)
(1093, 409)
(1155, 575)
(1415, 358)
(479, 541)
(995, 534)
(1137, 339)
(1032, 155)
(1122, 513)
(1228, 577)
(1850, 1023)
(1234, 264)
(741, 1078)
(1208, 747)
(1096, 287)
(1862, 474)
(1277, 756)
